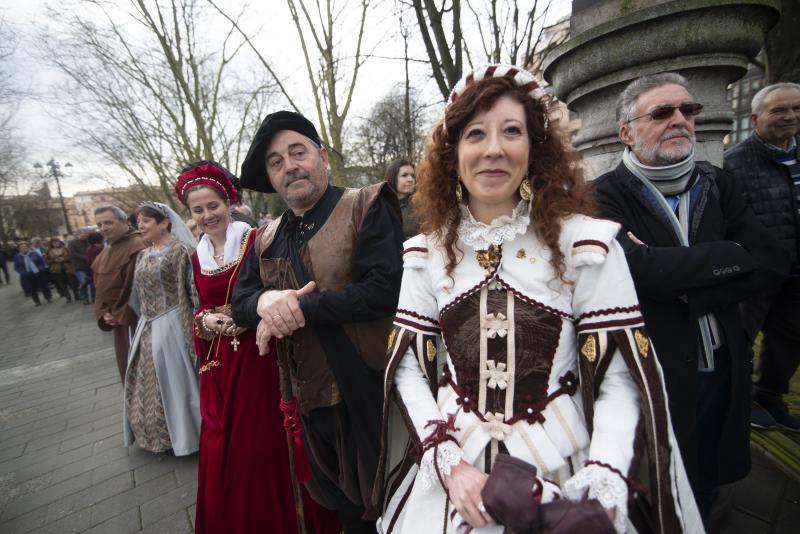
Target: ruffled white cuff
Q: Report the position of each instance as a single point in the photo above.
(602, 484)
(448, 454)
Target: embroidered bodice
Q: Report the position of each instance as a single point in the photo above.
(508, 377)
(161, 279)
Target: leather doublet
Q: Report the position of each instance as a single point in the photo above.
(327, 258)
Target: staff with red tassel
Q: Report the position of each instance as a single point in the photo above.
(299, 469)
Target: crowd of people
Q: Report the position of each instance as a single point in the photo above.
(485, 342)
(55, 265)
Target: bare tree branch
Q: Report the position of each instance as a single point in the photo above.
(327, 85)
(512, 35)
(152, 98)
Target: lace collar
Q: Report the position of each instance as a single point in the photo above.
(480, 235)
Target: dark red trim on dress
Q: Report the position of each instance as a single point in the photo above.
(609, 311)
(531, 301)
(418, 326)
(633, 485)
(532, 413)
(638, 320)
(594, 242)
(417, 315)
(467, 293)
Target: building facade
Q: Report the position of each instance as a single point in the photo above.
(39, 214)
(740, 94)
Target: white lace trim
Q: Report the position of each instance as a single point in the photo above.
(480, 235)
(605, 486)
(448, 454)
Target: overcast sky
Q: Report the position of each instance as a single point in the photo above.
(43, 131)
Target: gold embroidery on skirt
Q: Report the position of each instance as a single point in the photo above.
(430, 349)
(642, 343)
(589, 349)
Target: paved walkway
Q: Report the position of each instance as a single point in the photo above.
(62, 464)
(766, 502)
(63, 467)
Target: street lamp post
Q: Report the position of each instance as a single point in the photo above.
(55, 172)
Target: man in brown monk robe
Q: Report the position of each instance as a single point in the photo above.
(113, 278)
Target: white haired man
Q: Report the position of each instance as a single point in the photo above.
(695, 252)
(769, 173)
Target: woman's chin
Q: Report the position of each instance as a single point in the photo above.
(213, 227)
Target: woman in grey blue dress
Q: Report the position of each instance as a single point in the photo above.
(162, 409)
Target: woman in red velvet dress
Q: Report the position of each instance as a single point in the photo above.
(244, 482)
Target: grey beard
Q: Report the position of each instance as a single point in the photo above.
(660, 157)
(302, 199)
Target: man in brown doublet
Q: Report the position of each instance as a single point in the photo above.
(113, 278)
(324, 279)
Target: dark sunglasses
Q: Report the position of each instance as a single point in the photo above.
(687, 109)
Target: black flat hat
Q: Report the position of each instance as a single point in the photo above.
(254, 171)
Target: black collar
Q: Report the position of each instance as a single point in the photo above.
(304, 227)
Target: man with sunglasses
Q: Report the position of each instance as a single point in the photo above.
(767, 165)
(695, 251)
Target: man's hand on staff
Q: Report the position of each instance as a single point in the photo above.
(280, 314)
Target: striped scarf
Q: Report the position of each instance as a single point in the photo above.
(669, 181)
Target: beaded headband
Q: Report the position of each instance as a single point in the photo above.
(201, 180)
(205, 174)
(521, 77)
(155, 206)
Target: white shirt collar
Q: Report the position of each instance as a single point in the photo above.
(233, 238)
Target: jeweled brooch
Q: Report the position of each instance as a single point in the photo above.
(489, 259)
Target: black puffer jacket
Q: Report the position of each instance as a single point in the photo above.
(768, 189)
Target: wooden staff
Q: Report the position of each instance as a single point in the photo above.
(286, 395)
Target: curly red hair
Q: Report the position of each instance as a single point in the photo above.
(558, 186)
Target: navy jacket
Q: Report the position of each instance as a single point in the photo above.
(19, 262)
(768, 189)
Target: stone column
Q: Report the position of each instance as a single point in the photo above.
(613, 42)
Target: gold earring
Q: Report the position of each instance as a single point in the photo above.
(525, 190)
(459, 192)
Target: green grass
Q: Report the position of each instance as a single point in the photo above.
(793, 398)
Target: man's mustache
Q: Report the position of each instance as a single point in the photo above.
(295, 176)
(678, 132)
